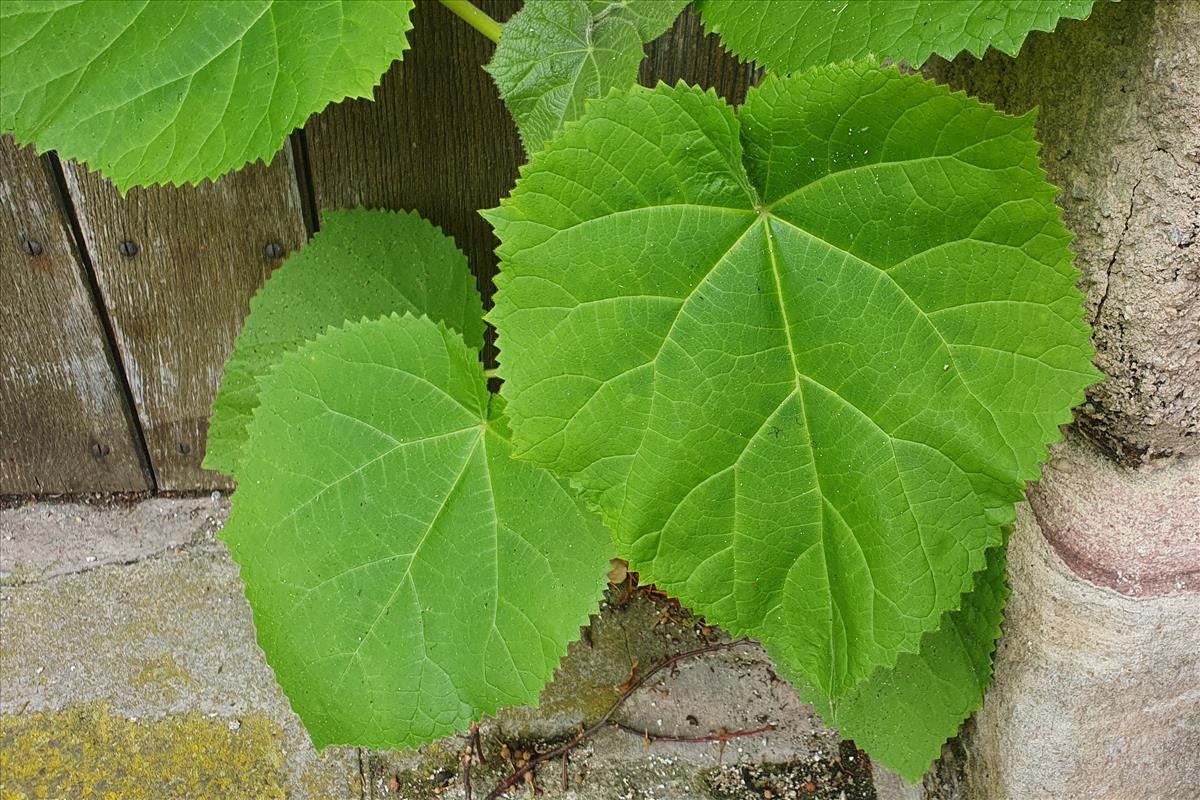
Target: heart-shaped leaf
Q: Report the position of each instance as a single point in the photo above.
(790, 35)
(168, 92)
(803, 356)
(556, 54)
(406, 575)
(362, 264)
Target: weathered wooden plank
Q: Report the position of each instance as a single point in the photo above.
(177, 292)
(436, 138)
(686, 53)
(65, 425)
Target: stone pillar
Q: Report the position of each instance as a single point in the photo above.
(1097, 689)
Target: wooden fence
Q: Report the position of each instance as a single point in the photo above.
(117, 313)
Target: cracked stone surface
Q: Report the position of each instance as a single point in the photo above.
(1119, 122)
(125, 634)
(130, 668)
(43, 540)
(1097, 687)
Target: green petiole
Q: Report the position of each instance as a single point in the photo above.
(478, 20)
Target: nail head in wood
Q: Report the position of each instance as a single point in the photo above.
(129, 249)
(32, 247)
(273, 250)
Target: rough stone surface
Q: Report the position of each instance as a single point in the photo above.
(1119, 122)
(42, 540)
(1096, 694)
(733, 690)
(144, 666)
(130, 670)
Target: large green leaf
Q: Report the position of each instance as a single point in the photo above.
(904, 714)
(362, 264)
(790, 35)
(406, 575)
(802, 356)
(555, 54)
(157, 91)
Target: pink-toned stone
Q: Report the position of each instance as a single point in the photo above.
(1133, 530)
(1097, 676)
(1096, 694)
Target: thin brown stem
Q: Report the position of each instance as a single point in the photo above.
(477, 743)
(606, 720)
(720, 736)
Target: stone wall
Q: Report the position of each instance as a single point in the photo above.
(1119, 121)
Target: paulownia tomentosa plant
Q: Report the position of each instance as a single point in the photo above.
(794, 361)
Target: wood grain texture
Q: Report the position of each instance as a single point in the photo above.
(686, 53)
(65, 425)
(176, 306)
(436, 139)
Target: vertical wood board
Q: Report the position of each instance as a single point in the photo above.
(686, 53)
(65, 425)
(177, 302)
(436, 138)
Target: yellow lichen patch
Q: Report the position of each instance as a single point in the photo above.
(87, 751)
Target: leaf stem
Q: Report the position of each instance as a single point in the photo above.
(478, 20)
